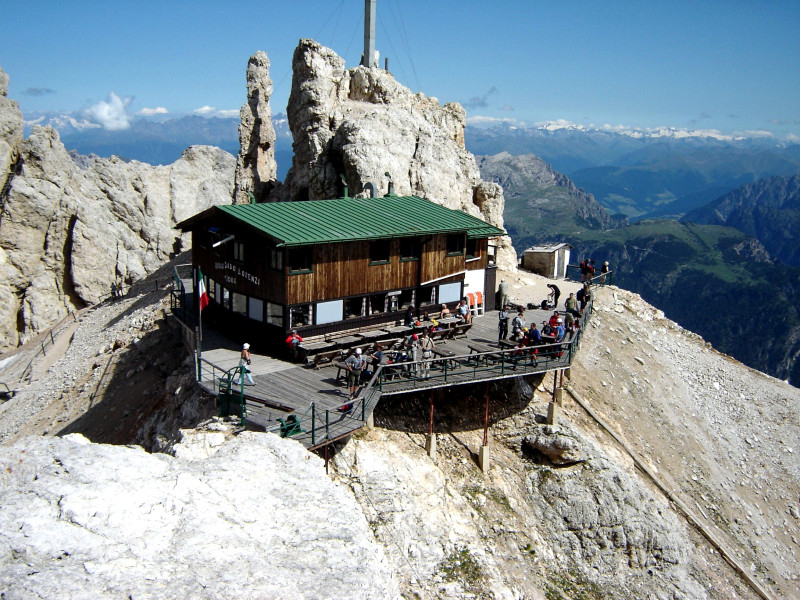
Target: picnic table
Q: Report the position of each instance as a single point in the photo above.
(314, 347)
(447, 355)
(371, 335)
(345, 341)
(449, 321)
(507, 344)
(400, 329)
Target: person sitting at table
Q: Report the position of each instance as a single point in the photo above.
(518, 325)
(409, 319)
(445, 312)
(554, 319)
(293, 344)
(463, 311)
(547, 331)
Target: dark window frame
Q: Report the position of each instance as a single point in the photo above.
(456, 244)
(410, 249)
(380, 252)
(474, 245)
(303, 255)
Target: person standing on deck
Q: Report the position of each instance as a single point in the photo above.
(426, 344)
(502, 323)
(354, 363)
(244, 361)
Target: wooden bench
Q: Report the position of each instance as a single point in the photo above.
(441, 335)
(461, 329)
(325, 357)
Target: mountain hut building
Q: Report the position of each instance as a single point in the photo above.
(347, 264)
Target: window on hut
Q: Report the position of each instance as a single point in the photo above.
(455, 244)
(354, 307)
(275, 258)
(300, 315)
(473, 249)
(238, 251)
(409, 249)
(301, 260)
(379, 252)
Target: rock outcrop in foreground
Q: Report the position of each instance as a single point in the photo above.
(359, 124)
(258, 518)
(70, 225)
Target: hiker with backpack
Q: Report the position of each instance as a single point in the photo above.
(355, 363)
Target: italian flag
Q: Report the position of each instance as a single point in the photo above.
(202, 294)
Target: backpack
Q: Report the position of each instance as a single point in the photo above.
(583, 266)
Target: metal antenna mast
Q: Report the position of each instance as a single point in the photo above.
(368, 59)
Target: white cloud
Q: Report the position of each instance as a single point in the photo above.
(149, 112)
(479, 121)
(111, 114)
(210, 111)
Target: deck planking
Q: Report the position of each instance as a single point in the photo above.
(282, 388)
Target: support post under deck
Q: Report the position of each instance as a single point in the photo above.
(430, 439)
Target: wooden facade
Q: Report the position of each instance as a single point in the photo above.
(259, 283)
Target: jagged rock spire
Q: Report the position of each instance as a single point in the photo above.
(256, 170)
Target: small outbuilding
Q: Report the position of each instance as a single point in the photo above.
(324, 266)
(549, 260)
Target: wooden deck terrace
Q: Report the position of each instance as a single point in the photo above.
(304, 402)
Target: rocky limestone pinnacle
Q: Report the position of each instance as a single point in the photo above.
(360, 123)
(256, 170)
(10, 132)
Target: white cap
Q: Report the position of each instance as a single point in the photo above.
(358, 350)
(246, 347)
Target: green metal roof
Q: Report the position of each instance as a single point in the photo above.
(353, 219)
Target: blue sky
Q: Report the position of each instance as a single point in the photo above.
(732, 66)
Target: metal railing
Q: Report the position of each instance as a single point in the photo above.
(48, 341)
(230, 401)
(574, 274)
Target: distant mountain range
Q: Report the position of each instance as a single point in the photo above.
(159, 142)
(768, 210)
(713, 280)
(645, 174)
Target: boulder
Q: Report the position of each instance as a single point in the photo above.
(259, 518)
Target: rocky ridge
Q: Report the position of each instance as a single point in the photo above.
(72, 225)
(84, 520)
(359, 124)
(562, 512)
